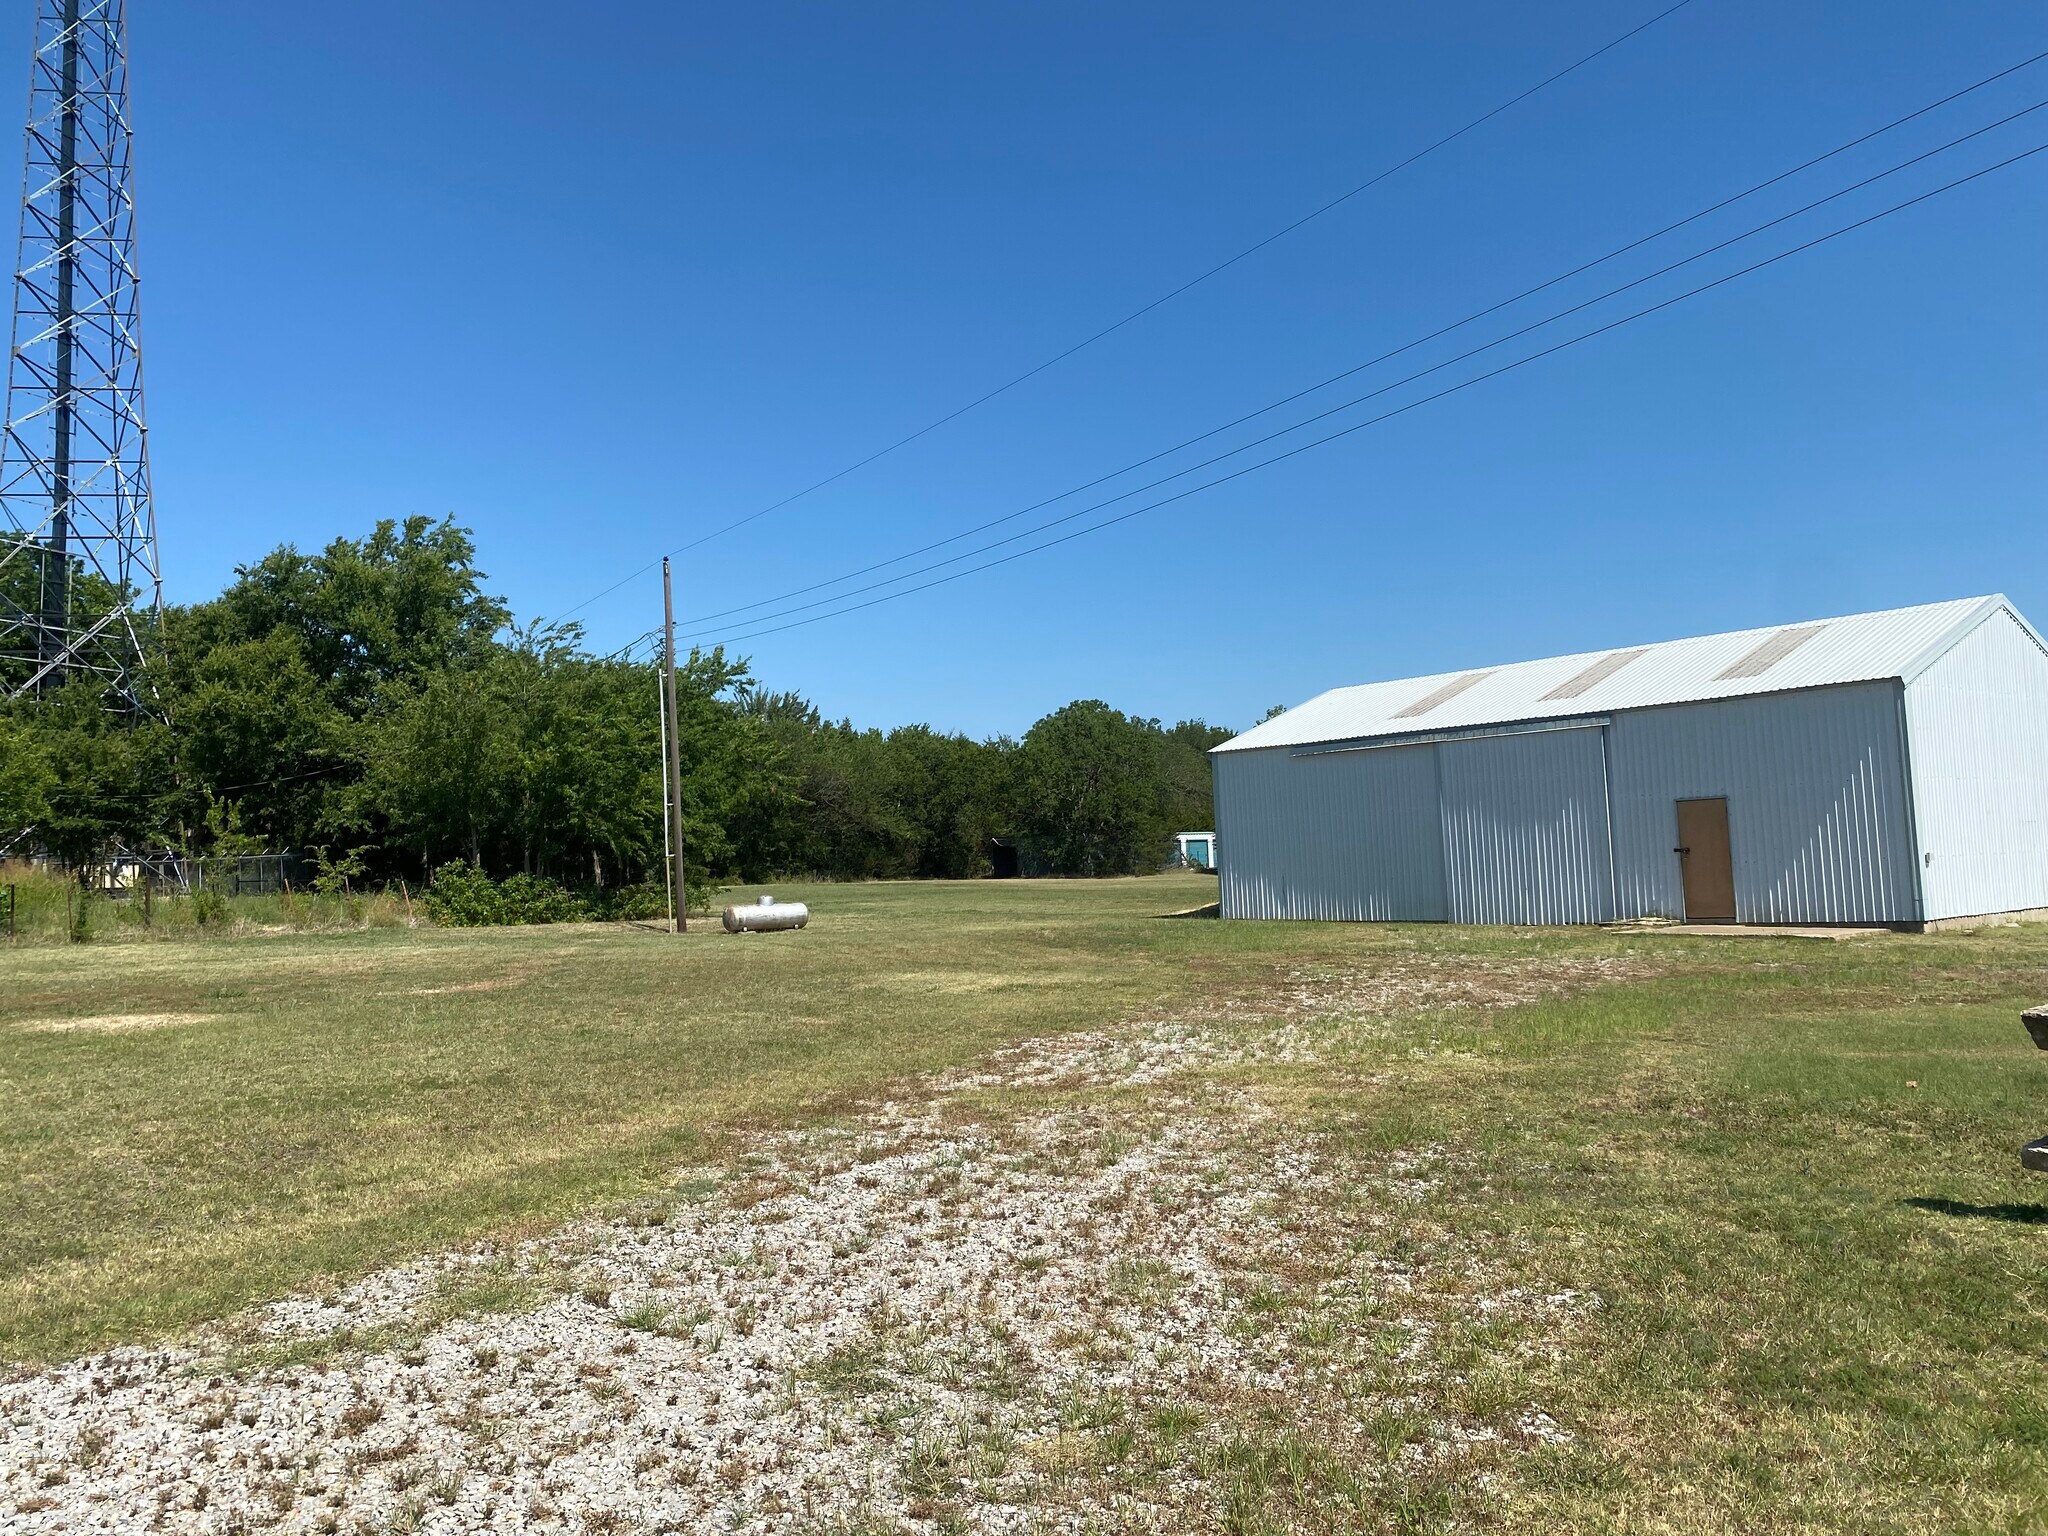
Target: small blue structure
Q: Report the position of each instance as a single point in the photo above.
(1195, 850)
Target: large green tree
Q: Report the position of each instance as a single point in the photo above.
(26, 778)
(373, 700)
(544, 760)
(1089, 791)
(1186, 781)
(867, 804)
(97, 780)
(396, 607)
(261, 736)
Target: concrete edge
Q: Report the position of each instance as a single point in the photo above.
(1985, 920)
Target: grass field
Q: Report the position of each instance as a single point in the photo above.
(188, 1126)
(1508, 1229)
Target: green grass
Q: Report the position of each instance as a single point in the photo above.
(328, 1103)
(1789, 1176)
(1785, 1172)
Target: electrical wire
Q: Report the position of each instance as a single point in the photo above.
(1411, 378)
(1409, 346)
(1400, 410)
(73, 793)
(1142, 311)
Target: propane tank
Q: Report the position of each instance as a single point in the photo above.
(766, 916)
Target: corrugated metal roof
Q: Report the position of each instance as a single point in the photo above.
(1863, 647)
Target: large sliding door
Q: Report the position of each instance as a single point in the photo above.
(1525, 828)
(1347, 836)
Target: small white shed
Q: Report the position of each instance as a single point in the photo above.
(1881, 768)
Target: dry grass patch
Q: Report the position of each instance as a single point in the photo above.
(113, 1023)
(519, 976)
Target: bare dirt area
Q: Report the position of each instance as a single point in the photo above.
(1094, 1283)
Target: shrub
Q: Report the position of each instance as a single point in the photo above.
(533, 899)
(463, 896)
(626, 903)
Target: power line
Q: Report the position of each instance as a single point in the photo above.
(624, 652)
(207, 789)
(1142, 311)
(1411, 378)
(1383, 357)
(1384, 389)
(1465, 384)
(285, 778)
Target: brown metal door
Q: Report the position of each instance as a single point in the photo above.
(1705, 861)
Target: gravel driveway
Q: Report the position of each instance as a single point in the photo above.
(936, 1317)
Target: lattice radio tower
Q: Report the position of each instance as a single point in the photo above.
(80, 593)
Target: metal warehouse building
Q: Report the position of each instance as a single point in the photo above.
(1884, 768)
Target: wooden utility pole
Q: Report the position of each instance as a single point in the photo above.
(668, 873)
(674, 766)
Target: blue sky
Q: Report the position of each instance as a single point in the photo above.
(595, 283)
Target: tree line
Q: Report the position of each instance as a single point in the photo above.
(373, 705)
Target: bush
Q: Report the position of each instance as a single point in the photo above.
(627, 903)
(463, 896)
(534, 899)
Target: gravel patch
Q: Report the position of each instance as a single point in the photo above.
(1306, 1013)
(908, 1323)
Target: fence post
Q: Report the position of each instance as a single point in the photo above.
(2034, 1154)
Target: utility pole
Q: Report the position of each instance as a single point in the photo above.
(674, 766)
(668, 882)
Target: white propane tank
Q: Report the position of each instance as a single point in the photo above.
(767, 916)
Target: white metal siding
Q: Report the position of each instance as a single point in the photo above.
(1525, 828)
(1817, 804)
(1347, 836)
(1977, 721)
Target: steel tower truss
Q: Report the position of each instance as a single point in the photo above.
(80, 591)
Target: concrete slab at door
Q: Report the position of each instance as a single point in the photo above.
(1706, 861)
